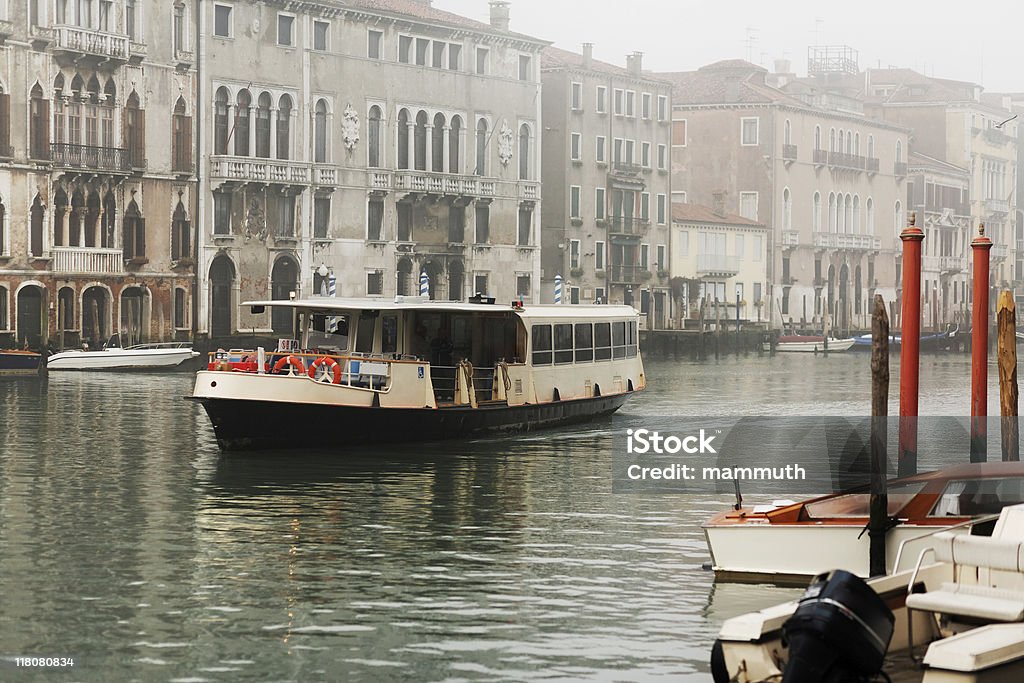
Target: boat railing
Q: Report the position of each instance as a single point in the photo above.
(158, 345)
(483, 383)
(442, 377)
(360, 370)
(969, 523)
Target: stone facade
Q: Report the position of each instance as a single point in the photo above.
(96, 234)
(607, 183)
(373, 141)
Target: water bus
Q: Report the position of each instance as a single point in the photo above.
(375, 370)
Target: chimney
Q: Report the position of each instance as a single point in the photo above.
(499, 15)
(634, 63)
(588, 55)
(783, 66)
(718, 203)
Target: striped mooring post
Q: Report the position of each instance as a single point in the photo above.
(558, 289)
(332, 290)
(424, 285)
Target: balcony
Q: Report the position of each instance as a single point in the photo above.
(428, 182)
(997, 206)
(529, 191)
(871, 165)
(627, 226)
(716, 265)
(790, 238)
(838, 240)
(6, 30)
(628, 275)
(87, 260)
(76, 43)
(819, 157)
(89, 157)
(325, 175)
(789, 152)
(853, 162)
(952, 264)
(997, 137)
(379, 181)
(258, 170)
(899, 168)
(1000, 252)
(183, 59)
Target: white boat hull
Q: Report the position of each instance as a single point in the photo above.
(755, 551)
(120, 359)
(834, 345)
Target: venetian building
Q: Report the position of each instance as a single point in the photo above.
(96, 176)
(373, 142)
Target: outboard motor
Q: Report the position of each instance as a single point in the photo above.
(839, 632)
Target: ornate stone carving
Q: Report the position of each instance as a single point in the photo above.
(505, 140)
(350, 128)
(255, 222)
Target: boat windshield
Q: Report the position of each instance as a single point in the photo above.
(967, 497)
(858, 504)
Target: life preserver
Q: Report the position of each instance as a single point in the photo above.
(293, 361)
(332, 366)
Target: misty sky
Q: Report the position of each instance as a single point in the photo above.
(979, 43)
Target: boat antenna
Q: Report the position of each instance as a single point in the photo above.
(739, 496)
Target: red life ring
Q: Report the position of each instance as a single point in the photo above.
(332, 366)
(293, 361)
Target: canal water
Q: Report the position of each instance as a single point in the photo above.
(130, 544)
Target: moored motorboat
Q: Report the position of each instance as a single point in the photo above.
(114, 357)
(962, 600)
(18, 362)
(828, 531)
(802, 343)
(372, 370)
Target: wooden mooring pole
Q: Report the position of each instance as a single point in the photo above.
(878, 522)
(1006, 354)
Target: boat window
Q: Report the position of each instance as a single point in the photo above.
(967, 497)
(631, 340)
(364, 333)
(584, 342)
(602, 341)
(858, 504)
(563, 343)
(619, 339)
(541, 336)
(389, 334)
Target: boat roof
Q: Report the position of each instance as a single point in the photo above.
(409, 303)
(974, 470)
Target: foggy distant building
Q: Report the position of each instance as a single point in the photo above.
(1013, 103)
(606, 181)
(829, 184)
(373, 141)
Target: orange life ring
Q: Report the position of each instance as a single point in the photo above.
(293, 361)
(331, 364)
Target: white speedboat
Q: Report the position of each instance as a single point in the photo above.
(829, 531)
(808, 344)
(140, 356)
(962, 603)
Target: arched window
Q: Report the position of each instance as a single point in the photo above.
(107, 114)
(899, 151)
(60, 212)
(92, 136)
(36, 228)
(181, 143)
(181, 232)
(787, 210)
(263, 126)
(848, 222)
(898, 217)
(134, 244)
(220, 122)
(870, 210)
(222, 279)
(59, 112)
(787, 133)
(373, 129)
(817, 137)
(840, 213)
(454, 162)
(816, 213)
(284, 280)
(832, 212)
(437, 144)
(284, 117)
(524, 152)
(76, 219)
(243, 106)
(849, 142)
(134, 132)
(420, 141)
(109, 221)
(403, 139)
(481, 147)
(92, 219)
(39, 124)
(832, 140)
(320, 131)
(871, 146)
(180, 309)
(856, 144)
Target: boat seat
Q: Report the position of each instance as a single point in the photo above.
(977, 598)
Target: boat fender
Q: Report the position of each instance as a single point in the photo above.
(293, 361)
(332, 367)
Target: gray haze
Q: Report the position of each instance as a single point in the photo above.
(978, 43)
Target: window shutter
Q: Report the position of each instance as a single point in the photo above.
(5, 124)
(140, 239)
(186, 152)
(140, 140)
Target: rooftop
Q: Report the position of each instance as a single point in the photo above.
(698, 213)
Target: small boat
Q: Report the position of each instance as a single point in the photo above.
(928, 341)
(372, 370)
(801, 343)
(18, 362)
(114, 357)
(827, 532)
(961, 602)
